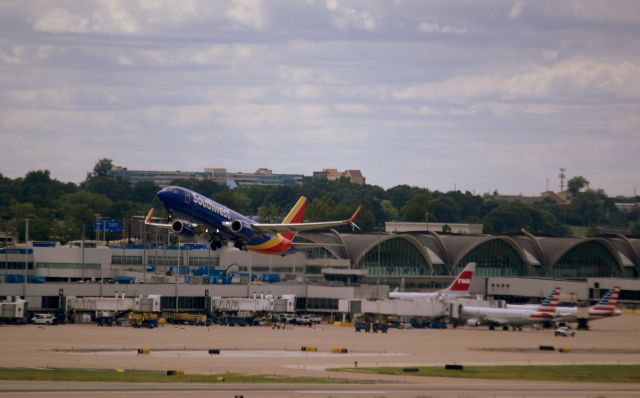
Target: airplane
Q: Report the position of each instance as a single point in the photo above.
(604, 308)
(203, 216)
(458, 288)
(514, 317)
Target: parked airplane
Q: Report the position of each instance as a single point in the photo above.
(220, 224)
(604, 308)
(514, 317)
(458, 288)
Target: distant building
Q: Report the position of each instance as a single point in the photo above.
(355, 176)
(262, 176)
(161, 178)
(457, 228)
(627, 207)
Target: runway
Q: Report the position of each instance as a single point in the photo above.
(440, 388)
(267, 352)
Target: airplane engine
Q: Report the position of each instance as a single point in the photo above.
(184, 228)
(473, 322)
(236, 226)
(240, 229)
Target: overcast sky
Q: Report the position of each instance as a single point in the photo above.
(476, 95)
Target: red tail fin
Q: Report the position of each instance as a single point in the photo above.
(463, 281)
(295, 216)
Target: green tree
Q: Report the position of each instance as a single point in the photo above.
(40, 220)
(576, 184)
(417, 207)
(234, 199)
(320, 209)
(144, 191)
(390, 212)
(80, 209)
(588, 208)
(445, 209)
(269, 213)
(102, 167)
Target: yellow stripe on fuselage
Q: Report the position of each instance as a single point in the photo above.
(295, 210)
(271, 243)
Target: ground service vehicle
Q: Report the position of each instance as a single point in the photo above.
(43, 319)
(564, 331)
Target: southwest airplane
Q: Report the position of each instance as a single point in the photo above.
(604, 308)
(515, 317)
(458, 288)
(221, 224)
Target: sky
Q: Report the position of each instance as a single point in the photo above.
(469, 95)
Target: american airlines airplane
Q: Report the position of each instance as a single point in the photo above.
(458, 288)
(604, 308)
(203, 216)
(514, 317)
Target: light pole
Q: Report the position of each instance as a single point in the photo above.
(426, 216)
(26, 257)
(379, 269)
(96, 228)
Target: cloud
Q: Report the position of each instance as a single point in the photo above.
(516, 10)
(622, 11)
(247, 13)
(579, 80)
(352, 83)
(109, 17)
(344, 17)
(435, 27)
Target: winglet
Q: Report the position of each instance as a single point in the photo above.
(354, 217)
(148, 219)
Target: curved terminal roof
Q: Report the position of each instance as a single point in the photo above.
(537, 256)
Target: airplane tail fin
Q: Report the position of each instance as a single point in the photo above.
(461, 285)
(608, 301)
(550, 303)
(295, 216)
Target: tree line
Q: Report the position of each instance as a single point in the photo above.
(63, 211)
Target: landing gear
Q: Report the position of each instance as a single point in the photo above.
(240, 245)
(215, 244)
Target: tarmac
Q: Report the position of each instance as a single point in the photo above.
(277, 352)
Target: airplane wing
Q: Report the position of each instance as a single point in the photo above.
(299, 227)
(149, 221)
(308, 245)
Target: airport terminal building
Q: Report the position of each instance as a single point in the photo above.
(349, 266)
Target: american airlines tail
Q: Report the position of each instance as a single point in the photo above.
(548, 309)
(550, 303)
(458, 288)
(608, 301)
(606, 307)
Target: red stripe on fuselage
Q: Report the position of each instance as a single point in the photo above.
(282, 247)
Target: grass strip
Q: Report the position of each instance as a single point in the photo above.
(581, 373)
(141, 376)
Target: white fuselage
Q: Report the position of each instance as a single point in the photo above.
(503, 316)
(569, 314)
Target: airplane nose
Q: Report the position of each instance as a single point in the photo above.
(163, 195)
